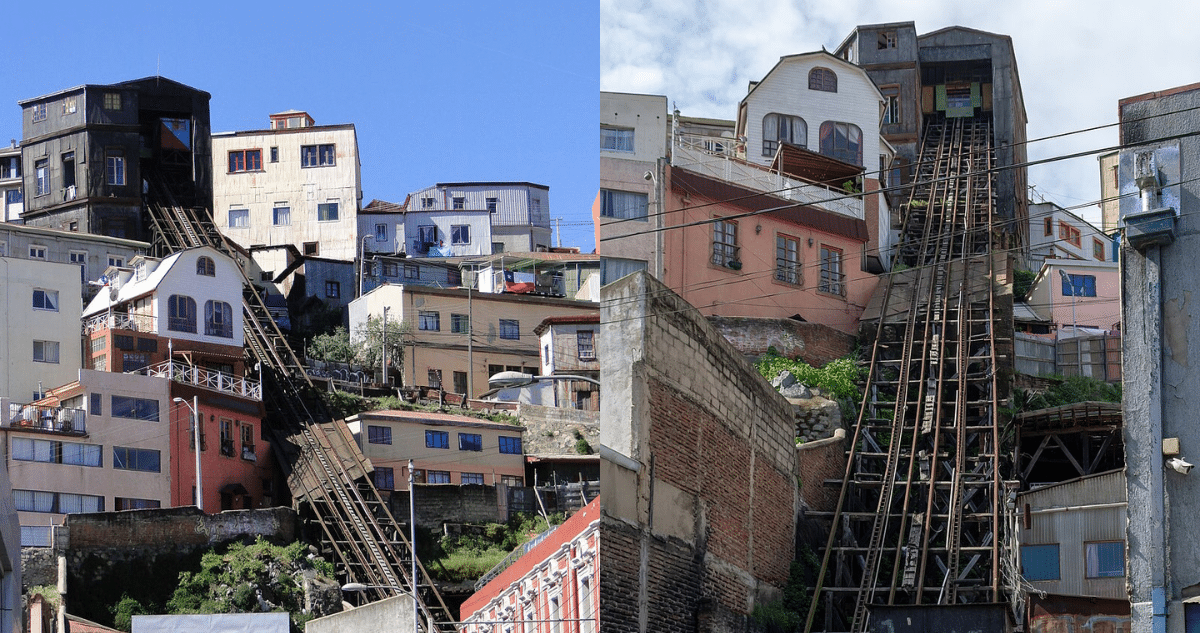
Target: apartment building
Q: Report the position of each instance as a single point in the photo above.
(90, 154)
(420, 228)
(12, 196)
(91, 253)
(1055, 233)
(39, 325)
(298, 184)
(456, 337)
(519, 211)
(568, 345)
(445, 448)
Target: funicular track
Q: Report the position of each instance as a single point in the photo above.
(918, 521)
(325, 469)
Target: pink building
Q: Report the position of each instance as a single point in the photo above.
(1086, 301)
(553, 587)
(787, 259)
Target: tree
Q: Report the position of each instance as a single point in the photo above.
(369, 345)
(334, 347)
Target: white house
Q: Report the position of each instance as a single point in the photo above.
(519, 212)
(391, 228)
(39, 325)
(289, 185)
(1055, 233)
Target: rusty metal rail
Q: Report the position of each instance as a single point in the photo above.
(919, 520)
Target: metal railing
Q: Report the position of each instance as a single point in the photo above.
(204, 378)
(44, 418)
(690, 153)
(119, 321)
(512, 558)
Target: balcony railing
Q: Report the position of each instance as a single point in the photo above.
(119, 321)
(43, 418)
(204, 378)
(691, 153)
(227, 447)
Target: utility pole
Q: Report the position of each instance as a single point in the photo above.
(471, 337)
(412, 531)
(384, 350)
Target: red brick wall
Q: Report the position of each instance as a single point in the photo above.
(817, 462)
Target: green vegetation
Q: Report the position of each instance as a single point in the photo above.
(838, 378)
(581, 444)
(343, 404)
(336, 346)
(467, 557)
(787, 614)
(1067, 391)
(333, 347)
(1022, 283)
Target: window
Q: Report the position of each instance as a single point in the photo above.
(469, 479)
(96, 406)
(437, 477)
(55, 452)
(127, 503)
(312, 248)
(45, 299)
(891, 104)
(616, 139)
(391, 270)
(317, 155)
(1039, 562)
(248, 442)
(427, 203)
(427, 235)
(385, 478)
(116, 260)
(123, 341)
(460, 382)
(832, 279)
(218, 319)
(379, 434)
(14, 196)
(112, 101)
(623, 205)
(205, 266)
(181, 313)
(1068, 233)
(226, 437)
(134, 408)
(149, 345)
(143, 459)
(437, 439)
(460, 234)
(39, 501)
(327, 212)
(45, 352)
(725, 250)
(493, 204)
(460, 323)
(1049, 227)
(239, 218)
(822, 79)
(37, 252)
(333, 290)
(510, 329)
(779, 128)
(381, 233)
(281, 216)
(133, 361)
(434, 378)
(274, 154)
(510, 445)
(79, 258)
(1105, 559)
(412, 271)
(470, 442)
(42, 169)
(459, 202)
(245, 160)
(842, 141)
(586, 342)
(1079, 286)
(428, 320)
(115, 166)
(887, 39)
(39, 112)
(1098, 249)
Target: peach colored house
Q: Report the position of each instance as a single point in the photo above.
(1090, 297)
(740, 252)
(445, 448)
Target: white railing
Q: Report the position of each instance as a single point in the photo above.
(43, 418)
(690, 153)
(204, 378)
(119, 321)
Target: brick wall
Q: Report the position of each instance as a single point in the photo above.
(818, 462)
(716, 495)
(813, 343)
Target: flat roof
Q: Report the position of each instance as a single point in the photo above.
(432, 418)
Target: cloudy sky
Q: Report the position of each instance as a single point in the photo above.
(1075, 59)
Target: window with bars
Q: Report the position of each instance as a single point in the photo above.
(787, 259)
(832, 277)
(585, 341)
(725, 249)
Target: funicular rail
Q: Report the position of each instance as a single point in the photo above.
(325, 469)
(918, 520)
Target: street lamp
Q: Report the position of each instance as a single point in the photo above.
(196, 431)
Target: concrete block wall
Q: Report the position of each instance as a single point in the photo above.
(551, 430)
(818, 462)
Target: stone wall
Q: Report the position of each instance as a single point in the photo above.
(701, 454)
(551, 430)
(813, 343)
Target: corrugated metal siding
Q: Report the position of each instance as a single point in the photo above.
(1034, 355)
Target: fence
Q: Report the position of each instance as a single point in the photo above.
(1097, 357)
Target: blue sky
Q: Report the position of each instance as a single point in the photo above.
(438, 91)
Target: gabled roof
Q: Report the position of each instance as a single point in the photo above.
(132, 288)
(824, 56)
(574, 319)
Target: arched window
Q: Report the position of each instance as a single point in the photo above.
(181, 313)
(205, 266)
(822, 79)
(842, 141)
(781, 128)
(218, 319)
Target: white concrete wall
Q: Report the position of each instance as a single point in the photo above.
(21, 324)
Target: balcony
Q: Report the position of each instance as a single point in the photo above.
(227, 447)
(119, 321)
(205, 379)
(701, 155)
(43, 418)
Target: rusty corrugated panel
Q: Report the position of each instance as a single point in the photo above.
(684, 181)
(805, 164)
